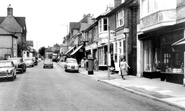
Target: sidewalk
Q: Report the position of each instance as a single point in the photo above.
(170, 93)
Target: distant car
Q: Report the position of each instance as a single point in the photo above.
(19, 63)
(7, 69)
(48, 63)
(71, 65)
(29, 62)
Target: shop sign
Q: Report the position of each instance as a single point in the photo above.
(121, 36)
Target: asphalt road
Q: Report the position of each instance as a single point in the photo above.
(55, 90)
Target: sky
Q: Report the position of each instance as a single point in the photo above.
(47, 20)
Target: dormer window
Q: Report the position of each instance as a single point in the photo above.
(120, 18)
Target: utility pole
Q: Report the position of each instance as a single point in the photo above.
(108, 54)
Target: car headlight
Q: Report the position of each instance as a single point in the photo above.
(8, 71)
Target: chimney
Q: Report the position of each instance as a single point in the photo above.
(117, 3)
(9, 10)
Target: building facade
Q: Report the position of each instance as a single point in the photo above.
(161, 27)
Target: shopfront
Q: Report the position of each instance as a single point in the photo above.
(119, 48)
(161, 59)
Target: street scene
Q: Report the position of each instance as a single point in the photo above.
(108, 55)
(56, 90)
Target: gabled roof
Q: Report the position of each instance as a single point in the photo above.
(73, 25)
(84, 26)
(11, 24)
(21, 21)
(29, 43)
(3, 31)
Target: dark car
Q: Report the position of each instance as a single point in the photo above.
(7, 69)
(19, 63)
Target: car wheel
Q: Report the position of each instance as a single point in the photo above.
(32, 65)
(12, 78)
(43, 66)
(77, 71)
(25, 69)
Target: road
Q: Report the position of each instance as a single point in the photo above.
(55, 90)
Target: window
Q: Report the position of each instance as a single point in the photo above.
(105, 25)
(147, 55)
(120, 18)
(149, 6)
(100, 25)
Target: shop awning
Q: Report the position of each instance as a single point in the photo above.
(70, 50)
(76, 50)
(179, 42)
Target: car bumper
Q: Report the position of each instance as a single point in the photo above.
(72, 69)
(48, 65)
(5, 75)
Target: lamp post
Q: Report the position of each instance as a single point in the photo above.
(108, 54)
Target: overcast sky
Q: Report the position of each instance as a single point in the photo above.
(44, 18)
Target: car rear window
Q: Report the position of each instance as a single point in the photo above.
(5, 64)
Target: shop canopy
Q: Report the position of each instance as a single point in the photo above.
(70, 50)
(76, 50)
(179, 42)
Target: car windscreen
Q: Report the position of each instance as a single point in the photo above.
(5, 64)
(71, 61)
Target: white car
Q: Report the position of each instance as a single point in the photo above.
(71, 65)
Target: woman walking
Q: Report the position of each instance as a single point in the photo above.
(123, 67)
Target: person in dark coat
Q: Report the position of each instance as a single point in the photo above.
(112, 68)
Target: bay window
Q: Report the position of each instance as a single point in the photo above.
(149, 6)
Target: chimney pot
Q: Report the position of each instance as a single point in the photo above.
(117, 3)
(9, 10)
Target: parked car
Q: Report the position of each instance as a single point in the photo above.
(7, 69)
(19, 63)
(48, 63)
(29, 62)
(71, 65)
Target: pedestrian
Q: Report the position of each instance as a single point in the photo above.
(95, 64)
(112, 68)
(123, 67)
(82, 63)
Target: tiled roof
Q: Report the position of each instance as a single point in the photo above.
(84, 26)
(13, 24)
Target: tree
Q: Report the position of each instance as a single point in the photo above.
(42, 51)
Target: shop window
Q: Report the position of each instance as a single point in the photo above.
(172, 62)
(147, 56)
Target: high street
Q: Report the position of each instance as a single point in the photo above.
(55, 90)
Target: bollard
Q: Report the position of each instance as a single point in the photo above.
(90, 65)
